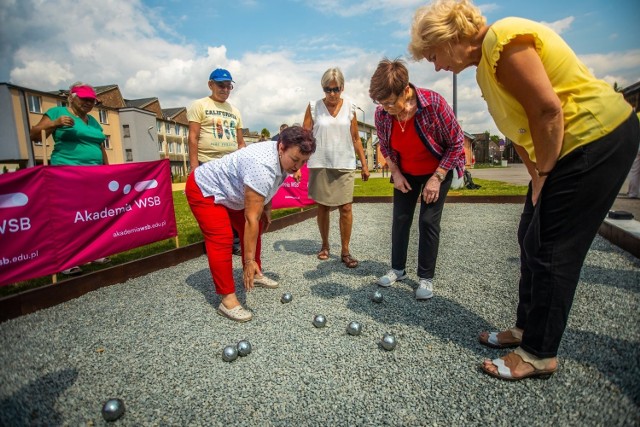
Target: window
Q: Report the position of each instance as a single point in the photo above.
(167, 128)
(125, 131)
(35, 103)
(129, 154)
(172, 147)
(107, 142)
(177, 129)
(178, 148)
(61, 103)
(185, 130)
(158, 126)
(160, 146)
(104, 118)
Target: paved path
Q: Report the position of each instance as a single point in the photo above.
(517, 174)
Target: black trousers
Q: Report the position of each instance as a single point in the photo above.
(556, 234)
(404, 205)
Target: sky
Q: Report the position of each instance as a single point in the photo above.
(276, 50)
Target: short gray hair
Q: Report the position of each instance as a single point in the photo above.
(332, 74)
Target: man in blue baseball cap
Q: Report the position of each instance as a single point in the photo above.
(215, 126)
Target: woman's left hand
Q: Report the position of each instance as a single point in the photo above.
(536, 188)
(431, 191)
(250, 270)
(365, 174)
(266, 220)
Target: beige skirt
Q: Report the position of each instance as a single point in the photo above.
(331, 187)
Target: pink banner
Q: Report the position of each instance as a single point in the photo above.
(293, 194)
(82, 213)
(27, 243)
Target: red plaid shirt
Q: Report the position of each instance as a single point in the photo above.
(437, 128)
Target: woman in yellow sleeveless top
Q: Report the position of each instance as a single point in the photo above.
(576, 136)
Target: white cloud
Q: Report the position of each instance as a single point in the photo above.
(560, 25)
(122, 42)
(620, 67)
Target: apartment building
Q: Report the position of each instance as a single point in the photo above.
(136, 130)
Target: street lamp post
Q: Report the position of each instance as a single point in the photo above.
(364, 125)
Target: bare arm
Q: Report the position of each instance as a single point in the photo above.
(253, 208)
(194, 135)
(240, 138)
(357, 145)
(307, 123)
(521, 72)
(49, 126)
(105, 158)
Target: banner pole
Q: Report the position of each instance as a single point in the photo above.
(177, 242)
(45, 156)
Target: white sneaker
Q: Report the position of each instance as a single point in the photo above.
(425, 289)
(391, 277)
(264, 282)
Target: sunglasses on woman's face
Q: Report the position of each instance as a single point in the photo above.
(332, 89)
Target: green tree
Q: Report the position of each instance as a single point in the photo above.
(265, 132)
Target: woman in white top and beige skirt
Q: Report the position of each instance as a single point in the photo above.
(335, 127)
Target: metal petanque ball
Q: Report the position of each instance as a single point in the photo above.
(319, 321)
(388, 342)
(230, 353)
(286, 297)
(354, 328)
(112, 409)
(377, 297)
(244, 348)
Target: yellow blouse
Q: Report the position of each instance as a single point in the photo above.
(591, 107)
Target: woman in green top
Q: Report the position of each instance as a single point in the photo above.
(78, 137)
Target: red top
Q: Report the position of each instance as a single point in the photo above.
(413, 156)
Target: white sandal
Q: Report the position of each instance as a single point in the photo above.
(72, 271)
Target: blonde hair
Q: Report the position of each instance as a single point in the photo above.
(443, 22)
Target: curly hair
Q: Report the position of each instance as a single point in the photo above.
(443, 22)
(298, 136)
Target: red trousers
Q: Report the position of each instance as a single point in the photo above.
(217, 223)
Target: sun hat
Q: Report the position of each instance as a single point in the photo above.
(84, 92)
(221, 75)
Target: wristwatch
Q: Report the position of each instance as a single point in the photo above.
(541, 173)
(439, 175)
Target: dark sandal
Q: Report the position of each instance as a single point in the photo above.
(491, 340)
(349, 261)
(323, 254)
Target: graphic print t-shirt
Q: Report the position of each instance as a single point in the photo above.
(219, 124)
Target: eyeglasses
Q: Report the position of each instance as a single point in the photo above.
(387, 104)
(332, 89)
(223, 86)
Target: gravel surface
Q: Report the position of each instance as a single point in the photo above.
(156, 341)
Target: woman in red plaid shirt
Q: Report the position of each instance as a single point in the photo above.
(422, 143)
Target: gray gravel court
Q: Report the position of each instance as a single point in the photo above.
(156, 341)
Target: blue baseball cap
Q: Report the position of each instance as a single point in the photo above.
(221, 75)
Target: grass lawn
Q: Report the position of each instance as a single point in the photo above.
(189, 232)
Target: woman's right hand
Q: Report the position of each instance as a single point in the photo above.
(250, 270)
(64, 121)
(400, 183)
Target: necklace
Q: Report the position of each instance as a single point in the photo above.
(408, 113)
(402, 128)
